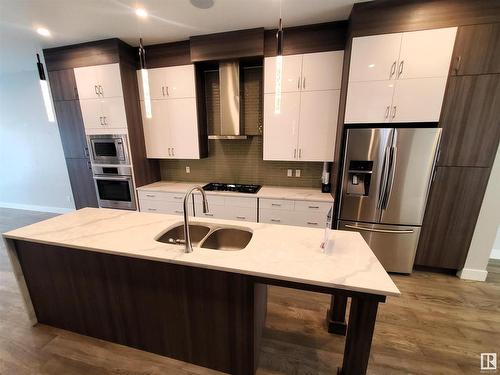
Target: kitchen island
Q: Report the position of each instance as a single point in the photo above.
(102, 273)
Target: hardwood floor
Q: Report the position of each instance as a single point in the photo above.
(439, 325)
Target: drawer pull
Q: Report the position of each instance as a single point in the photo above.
(312, 223)
(151, 209)
(276, 220)
(207, 214)
(178, 212)
(276, 204)
(150, 195)
(313, 206)
(241, 217)
(178, 197)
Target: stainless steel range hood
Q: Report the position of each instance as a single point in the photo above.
(229, 85)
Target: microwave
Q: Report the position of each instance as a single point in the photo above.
(108, 149)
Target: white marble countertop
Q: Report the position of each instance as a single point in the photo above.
(271, 192)
(279, 252)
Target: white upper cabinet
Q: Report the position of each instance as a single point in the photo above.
(291, 74)
(105, 113)
(426, 53)
(322, 71)
(306, 125)
(182, 120)
(374, 58)
(317, 129)
(281, 130)
(399, 77)
(99, 81)
(170, 82)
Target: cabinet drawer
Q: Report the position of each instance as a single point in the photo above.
(163, 207)
(215, 211)
(241, 202)
(306, 206)
(277, 204)
(161, 195)
(212, 200)
(313, 220)
(275, 216)
(241, 213)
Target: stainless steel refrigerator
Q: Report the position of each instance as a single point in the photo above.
(385, 182)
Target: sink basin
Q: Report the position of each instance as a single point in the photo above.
(196, 232)
(228, 239)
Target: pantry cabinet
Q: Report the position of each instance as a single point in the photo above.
(172, 131)
(399, 77)
(305, 126)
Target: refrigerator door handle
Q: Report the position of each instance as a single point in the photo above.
(403, 231)
(391, 174)
(383, 179)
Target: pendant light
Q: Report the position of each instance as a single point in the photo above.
(279, 67)
(45, 90)
(145, 80)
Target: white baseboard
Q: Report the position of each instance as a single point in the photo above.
(32, 207)
(495, 254)
(471, 274)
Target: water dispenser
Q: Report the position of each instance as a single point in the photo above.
(360, 174)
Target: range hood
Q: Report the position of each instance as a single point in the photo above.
(229, 86)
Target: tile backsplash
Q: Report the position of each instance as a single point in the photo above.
(240, 161)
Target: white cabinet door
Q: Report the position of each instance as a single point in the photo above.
(418, 100)
(374, 58)
(291, 74)
(318, 125)
(180, 82)
(156, 84)
(92, 113)
(369, 102)
(281, 130)
(113, 111)
(181, 118)
(108, 76)
(322, 71)
(426, 53)
(87, 82)
(156, 130)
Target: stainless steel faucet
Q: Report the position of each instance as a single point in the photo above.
(187, 237)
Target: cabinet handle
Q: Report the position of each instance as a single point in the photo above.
(207, 214)
(241, 217)
(173, 149)
(150, 195)
(313, 206)
(298, 83)
(276, 220)
(86, 151)
(101, 91)
(168, 94)
(276, 204)
(387, 111)
(163, 90)
(168, 149)
(304, 83)
(89, 165)
(100, 120)
(151, 209)
(394, 112)
(178, 197)
(179, 212)
(295, 153)
(458, 64)
(393, 69)
(96, 90)
(105, 123)
(300, 153)
(312, 223)
(400, 70)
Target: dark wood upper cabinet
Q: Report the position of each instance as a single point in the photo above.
(63, 85)
(82, 183)
(471, 121)
(477, 50)
(69, 119)
(450, 217)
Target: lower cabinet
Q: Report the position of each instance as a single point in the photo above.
(289, 212)
(82, 183)
(229, 208)
(450, 218)
(163, 202)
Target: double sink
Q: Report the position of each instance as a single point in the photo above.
(208, 236)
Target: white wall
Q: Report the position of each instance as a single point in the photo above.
(33, 172)
(486, 229)
(495, 253)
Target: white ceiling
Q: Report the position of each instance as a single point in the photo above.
(74, 21)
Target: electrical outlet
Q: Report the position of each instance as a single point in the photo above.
(188, 169)
(297, 173)
(289, 173)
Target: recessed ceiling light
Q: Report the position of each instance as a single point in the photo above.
(43, 31)
(141, 12)
(202, 4)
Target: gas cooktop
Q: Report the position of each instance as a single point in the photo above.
(238, 188)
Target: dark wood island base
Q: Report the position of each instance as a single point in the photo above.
(206, 317)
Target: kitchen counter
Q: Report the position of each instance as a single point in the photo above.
(276, 251)
(270, 192)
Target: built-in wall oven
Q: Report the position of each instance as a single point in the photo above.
(114, 186)
(108, 149)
